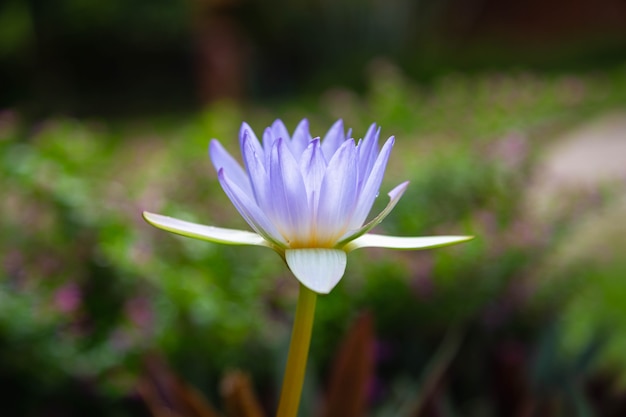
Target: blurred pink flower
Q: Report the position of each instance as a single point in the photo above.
(139, 312)
(67, 298)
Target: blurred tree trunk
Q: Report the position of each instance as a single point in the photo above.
(221, 50)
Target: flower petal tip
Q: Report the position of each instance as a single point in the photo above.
(397, 192)
(318, 269)
(151, 218)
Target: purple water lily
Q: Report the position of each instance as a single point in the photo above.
(306, 198)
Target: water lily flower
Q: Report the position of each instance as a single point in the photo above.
(306, 198)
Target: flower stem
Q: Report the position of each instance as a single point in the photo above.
(298, 353)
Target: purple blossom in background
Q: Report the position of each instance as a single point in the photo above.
(68, 297)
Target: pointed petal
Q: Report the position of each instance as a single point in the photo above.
(259, 178)
(268, 143)
(200, 231)
(279, 130)
(300, 138)
(317, 269)
(221, 159)
(250, 211)
(394, 197)
(290, 212)
(371, 186)
(401, 242)
(367, 152)
(268, 139)
(337, 193)
(313, 167)
(333, 139)
(247, 134)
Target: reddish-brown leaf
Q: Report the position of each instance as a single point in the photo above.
(352, 371)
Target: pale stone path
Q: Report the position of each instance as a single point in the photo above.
(584, 159)
(580, 164)
(588, 155)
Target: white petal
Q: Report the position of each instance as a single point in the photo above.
(401, 242)
(317, 269)
(199, 231)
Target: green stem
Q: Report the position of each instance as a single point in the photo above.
(298, 353)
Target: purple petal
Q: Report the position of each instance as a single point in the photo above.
(279, 130)
(221, 159)
(313, 167)
(367, 152)
(268, 143)
(249, 210)
(333, 139)
(246, 131)
(290, 212)
(371, 186)
(256, 171)
(301, 138)
(338, 193)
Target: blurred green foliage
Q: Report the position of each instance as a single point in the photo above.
(88, 290)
